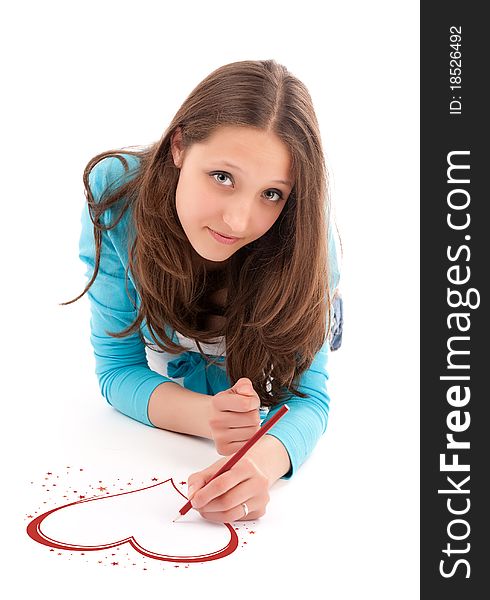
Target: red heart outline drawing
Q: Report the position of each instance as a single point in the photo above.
(35, 532)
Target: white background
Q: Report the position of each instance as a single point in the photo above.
(82, 78)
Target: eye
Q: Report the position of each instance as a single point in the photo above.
(222, 173)
(228, 176)
(275, 192)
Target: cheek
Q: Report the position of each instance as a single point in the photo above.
(265, 221)
(194, 203)
(204, 210)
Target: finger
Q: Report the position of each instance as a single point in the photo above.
(229, 448)
(236, 436)
(235, 514)
(242, 492)
(243, 386)
(194, 483)
(219, 485)
(236, 402)
(251, 418)
(198, 480)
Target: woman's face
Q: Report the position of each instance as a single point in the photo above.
(235, 183)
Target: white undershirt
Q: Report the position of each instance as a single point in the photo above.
(158, 360)
(216, 348)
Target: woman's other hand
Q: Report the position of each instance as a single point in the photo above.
(234, 416)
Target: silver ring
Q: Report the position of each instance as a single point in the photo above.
(245, 508)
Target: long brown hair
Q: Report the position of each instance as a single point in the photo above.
(278, 285)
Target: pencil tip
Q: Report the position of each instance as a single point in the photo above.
(177, 518)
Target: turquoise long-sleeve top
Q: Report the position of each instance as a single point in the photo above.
(126, 381)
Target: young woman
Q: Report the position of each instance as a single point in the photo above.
(216, 245)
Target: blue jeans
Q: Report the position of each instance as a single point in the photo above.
(337, 322)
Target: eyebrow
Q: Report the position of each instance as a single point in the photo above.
(284, 181)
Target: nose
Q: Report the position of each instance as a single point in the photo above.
(237, 215)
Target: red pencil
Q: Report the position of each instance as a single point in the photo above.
(236, 457)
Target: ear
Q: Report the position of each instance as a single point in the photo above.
(176, 147)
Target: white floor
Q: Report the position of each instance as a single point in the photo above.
(347, 525)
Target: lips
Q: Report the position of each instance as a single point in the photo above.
(230, 237)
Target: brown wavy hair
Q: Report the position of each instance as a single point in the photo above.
(278, 285)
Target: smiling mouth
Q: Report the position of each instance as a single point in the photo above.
(229, 237)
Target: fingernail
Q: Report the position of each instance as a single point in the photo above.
(191, 491)
(244, 389)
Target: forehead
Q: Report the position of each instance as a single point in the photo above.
(250, 149)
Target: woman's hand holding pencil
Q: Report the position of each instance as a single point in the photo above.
(234, 488)
(221, 500)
